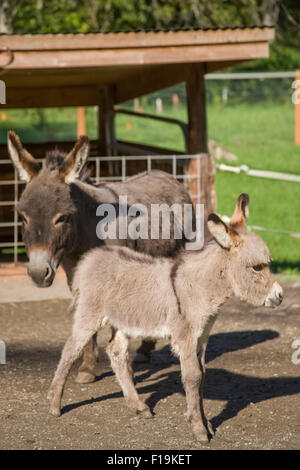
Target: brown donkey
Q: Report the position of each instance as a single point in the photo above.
(177, 299)
(58, 211)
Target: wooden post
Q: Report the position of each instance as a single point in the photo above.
(81, 127)
(106, 121)
(297, 107)
(197, 141)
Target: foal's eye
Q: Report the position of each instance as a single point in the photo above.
(62, 219)
(258, 267)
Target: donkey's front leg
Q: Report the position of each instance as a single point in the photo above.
(87, 370)
(191, 378)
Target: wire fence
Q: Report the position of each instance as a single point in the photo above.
(223, 91)
(14, 245)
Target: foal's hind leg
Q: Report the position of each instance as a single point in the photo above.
(86, 372)
(117, 351)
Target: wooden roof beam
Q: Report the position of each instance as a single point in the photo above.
(123, 40)
(135, 56)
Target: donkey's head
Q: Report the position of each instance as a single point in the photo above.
(46, 207)
(248, 258)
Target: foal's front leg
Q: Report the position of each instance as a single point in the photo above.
(71, 352)
(191, 376)
(87, 370)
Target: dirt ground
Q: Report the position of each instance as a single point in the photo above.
(251, 391)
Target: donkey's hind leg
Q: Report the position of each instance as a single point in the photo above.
(117, 351)
(143, 354)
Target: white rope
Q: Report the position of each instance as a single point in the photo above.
(246, 75)
(226, 219)
(259, 173)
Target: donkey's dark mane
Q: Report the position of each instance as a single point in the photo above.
(54, 160)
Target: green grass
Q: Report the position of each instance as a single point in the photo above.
(263, 138)
(261, 135)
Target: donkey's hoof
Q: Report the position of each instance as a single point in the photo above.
(54, 411)
(85, 378)
(210, 429)
(201, 433)
(203, 438)
(141, 358)
(145, 413)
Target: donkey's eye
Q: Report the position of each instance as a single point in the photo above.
(62, 219)
(258, 267)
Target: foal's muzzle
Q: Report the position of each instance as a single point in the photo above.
(41, 269)
(275, 296)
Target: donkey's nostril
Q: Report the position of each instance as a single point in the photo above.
(48, 273)
(39, 268)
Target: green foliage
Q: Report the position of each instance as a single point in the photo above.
(282, 57)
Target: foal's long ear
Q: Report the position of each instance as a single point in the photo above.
(219, 231)
(25, 164)
(241, 212)
(75, 160)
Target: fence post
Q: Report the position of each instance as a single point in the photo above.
(81, 127)
(197, 137)
(297, 107)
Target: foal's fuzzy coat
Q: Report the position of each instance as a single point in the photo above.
(160, 297)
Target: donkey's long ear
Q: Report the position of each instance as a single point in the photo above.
(25, 164)
(241, 212)
(75, 160)
(219, 231)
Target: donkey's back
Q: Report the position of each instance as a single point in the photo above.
(153, 187)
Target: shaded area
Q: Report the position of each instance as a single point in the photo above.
(237, 390)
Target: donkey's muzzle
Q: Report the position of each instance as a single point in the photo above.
(40, 268)
(275, 296)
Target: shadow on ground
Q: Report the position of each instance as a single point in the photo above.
(236, 389)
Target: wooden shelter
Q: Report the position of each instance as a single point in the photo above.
(46, 70)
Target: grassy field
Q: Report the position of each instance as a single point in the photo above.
(261, 135)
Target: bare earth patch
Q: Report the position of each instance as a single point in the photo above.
(251, 391)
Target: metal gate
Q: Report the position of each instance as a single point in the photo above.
(12, 248)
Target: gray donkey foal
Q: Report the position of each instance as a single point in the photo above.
(176, 299)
